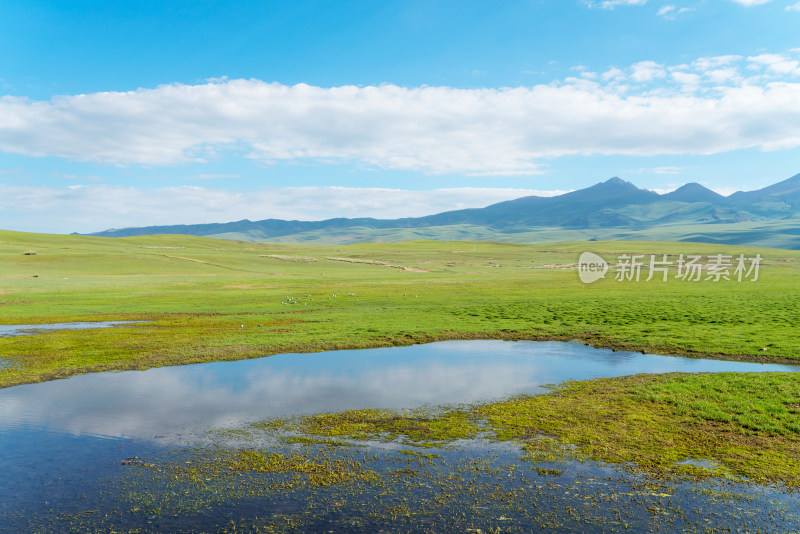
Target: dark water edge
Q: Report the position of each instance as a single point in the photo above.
(463, 491)
(108, 452)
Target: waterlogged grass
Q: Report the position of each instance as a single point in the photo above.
(321, 489)
(417, 427)
(679, 465)
(409, 471)
(205, 300)
(674, 425)
(724, 424)
(317, 473)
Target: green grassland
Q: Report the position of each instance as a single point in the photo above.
(204, 299)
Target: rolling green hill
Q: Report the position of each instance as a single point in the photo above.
(611, 210)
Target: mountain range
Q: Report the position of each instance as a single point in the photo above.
(611, 210)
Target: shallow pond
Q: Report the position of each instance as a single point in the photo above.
(29, 329)
(176, 400)
(62, 442)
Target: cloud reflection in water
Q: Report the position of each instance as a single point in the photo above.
(178, 400)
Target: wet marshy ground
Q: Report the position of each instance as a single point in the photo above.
(225, 447)
(320, 488)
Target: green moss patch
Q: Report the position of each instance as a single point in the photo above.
(423, 428)
(741, 424)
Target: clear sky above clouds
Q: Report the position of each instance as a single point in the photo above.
(134, 113)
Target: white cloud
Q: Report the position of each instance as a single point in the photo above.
(428, 129)
(688, 80)
(217, 176)
(721, 76)
(793, 7)
(671, 12)
(667, 170)
(750, 3)
(611, 4)
(658, 170)
(715, 62)
(613, 74)
(92, 208)
(646, 71)
(719, 69)
(646, 109)
(776, 63)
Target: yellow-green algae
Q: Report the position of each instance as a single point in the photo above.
(743, 424)
(421, 427)
(736, 424)
(316, 485)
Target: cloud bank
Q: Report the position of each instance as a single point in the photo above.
(710, 106)
(93, 208)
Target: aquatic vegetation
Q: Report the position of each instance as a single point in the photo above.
(655, 422)
(648, 423)
(456, 469)
(421, 427)
(312, 487)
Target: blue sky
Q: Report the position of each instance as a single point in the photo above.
(118, 114)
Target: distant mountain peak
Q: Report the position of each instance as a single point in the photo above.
(616, 180)
(693, 192)
(617, 185)
(693, 186)
(614, 206)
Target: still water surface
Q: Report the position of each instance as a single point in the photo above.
(174, 400)
(61, 441)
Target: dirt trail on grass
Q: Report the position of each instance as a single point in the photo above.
(378, 262)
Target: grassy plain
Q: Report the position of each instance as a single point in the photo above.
(204, 299)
